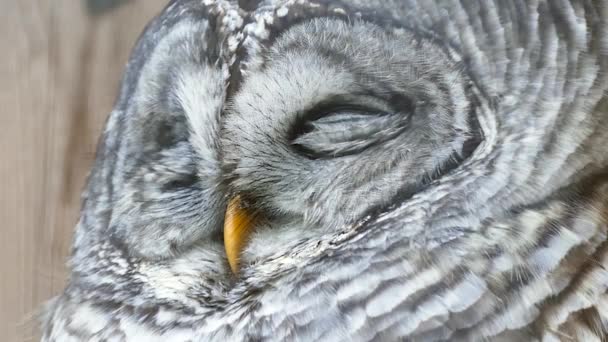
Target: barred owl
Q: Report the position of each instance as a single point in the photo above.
(350, 171)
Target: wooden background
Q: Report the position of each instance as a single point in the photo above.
(59, 72)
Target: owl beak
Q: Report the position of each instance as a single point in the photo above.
(238, 225)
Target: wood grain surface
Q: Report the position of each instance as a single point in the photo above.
(59, 74)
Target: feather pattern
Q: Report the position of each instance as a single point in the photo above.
(510, 245)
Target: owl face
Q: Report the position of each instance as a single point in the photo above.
(340, 119)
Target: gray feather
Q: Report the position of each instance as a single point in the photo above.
(468, 199)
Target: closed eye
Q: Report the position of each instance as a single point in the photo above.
(338, 131)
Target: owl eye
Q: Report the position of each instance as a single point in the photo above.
(345, 130)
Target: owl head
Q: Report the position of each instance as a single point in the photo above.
(336, 170)
(343, 117)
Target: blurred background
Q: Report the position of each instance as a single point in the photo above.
(60, 67)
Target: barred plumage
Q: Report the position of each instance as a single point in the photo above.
(503, 237)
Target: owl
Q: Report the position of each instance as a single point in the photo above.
(361, 170)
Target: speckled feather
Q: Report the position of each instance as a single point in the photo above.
(510, 244)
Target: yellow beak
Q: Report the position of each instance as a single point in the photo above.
(238, 225)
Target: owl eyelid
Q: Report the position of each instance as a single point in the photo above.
(181, 182)
(343, 133)
(336, 123)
